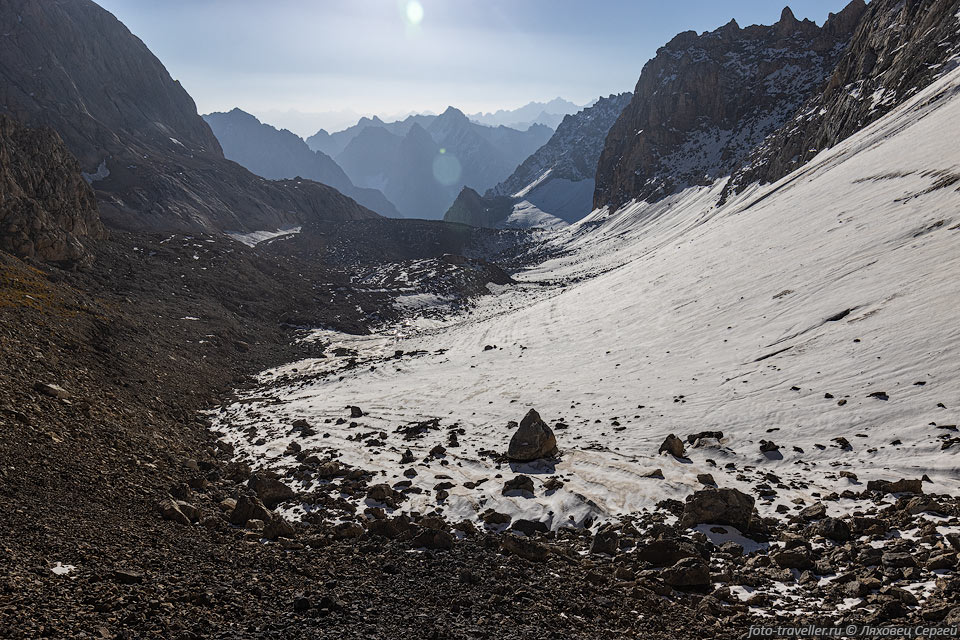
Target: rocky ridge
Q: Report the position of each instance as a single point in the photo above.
(704, 102)
(278, 155)
(898, 49)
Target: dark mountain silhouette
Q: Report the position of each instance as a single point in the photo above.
(279, 154)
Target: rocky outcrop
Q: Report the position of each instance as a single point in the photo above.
(706, 101)
(898, 48)
(152, 160)
(46, 207)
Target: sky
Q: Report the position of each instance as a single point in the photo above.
(306, 64)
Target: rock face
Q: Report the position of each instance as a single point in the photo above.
(718, 506)
(705, 101)
(897, 49)
(532, 440)
(46, 208)
(278, 155)
(154, 163)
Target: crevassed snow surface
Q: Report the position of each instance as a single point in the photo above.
(680, 317)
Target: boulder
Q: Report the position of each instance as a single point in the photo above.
(270, 490)
(666, 552)
(529, 527)
(52, 390)
(689, 573)
(532, 440)
(277, 527)
(249, 508)
(524, 548)
(703, 435)
(831, 528)
(672, 445)
(718, 506)
(385, 494)
(900, 486)
(521, 484)
(795, 558)
(170, 511)
(434, 539)
(605, 541)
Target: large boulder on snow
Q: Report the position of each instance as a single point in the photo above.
(532, 440)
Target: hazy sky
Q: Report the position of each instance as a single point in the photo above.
(395, 56)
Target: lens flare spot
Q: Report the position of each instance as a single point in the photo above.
(414, 12)
(446, 169)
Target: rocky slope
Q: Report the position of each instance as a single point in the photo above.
(154, 163)
(46, 207)
(706, 101)
(898, 49)
(276, 155)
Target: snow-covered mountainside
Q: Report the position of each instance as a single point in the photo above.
(704, 102)
(820, 313)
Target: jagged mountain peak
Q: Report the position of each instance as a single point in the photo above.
(705, 101)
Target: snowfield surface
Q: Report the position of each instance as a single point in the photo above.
(681, 317)
(254, 238)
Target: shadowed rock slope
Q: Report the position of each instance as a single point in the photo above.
(154, 163)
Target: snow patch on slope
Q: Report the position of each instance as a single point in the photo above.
(254, 238)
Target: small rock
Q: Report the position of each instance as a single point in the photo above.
(52, 390)
(170, 511)
(520, 484)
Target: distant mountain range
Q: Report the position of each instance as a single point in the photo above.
(422, 162)
(548, 113)
(555, 184)
(279, 154)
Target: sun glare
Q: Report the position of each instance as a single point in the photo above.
(414, 12)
